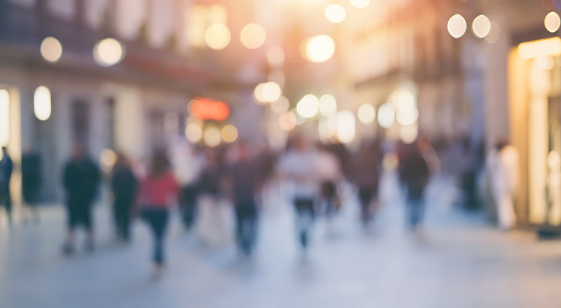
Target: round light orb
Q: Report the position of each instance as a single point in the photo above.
(42, 103)
(325, 129)
(319, 48)
(253, 36)
(409, 134)
(229, 133)
(308, 106)
(457, 26)
(108, 52)
(495, 33)
(281, 105)
(335, 13)
(403, 99)
(287, 121)
(552, 22)
(407, 117)
(272, 91)
(386, 115)
(327, 105)
(107, 158)
(360, 4)
(481, 26)
(212, 136)
(194, 132)
(366, 114)
(217, 36)
(51, 49)
(346, 126)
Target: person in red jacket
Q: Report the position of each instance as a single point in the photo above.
(156, 192)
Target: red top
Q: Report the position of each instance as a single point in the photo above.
(155, 192)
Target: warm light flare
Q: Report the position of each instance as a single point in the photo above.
(457, 26)
(253, 36)
(217, 36)
(335, 13)
(108, 52)
(42, 103)
(541, 48)
(51, 49)
(319, 48)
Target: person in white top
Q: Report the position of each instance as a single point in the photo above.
(299, 165)
(503, 166)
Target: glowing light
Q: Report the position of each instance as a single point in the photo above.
(308, 106)
(403, 99)
(409, 134)
(108, 52)
(281, 105)
(208, 109)
(541, 48)
(495, 33)
(107, 159)
(552, 22)
(275, 56)
(481, 26)
(51, 49)
(253, 36)
(42, 103)
(267, 92)
(366, 114)
(287, 121)
(212, 137)
(319, 48)
(229, 133)
(4, 117)
(407, 117)
(335, 13)
(326, 128)
(457, 26)
(217, 36)
(194, 132)
(386, 115)
(360, 4)
(346, 129)
(327, 105)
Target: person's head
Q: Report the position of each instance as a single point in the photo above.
(78, 151)
(500, 145)
(159, 164)
(121, 160)
(4, 150)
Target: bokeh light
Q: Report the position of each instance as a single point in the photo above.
(4, 117)
(495, 33)
(275, 57)
(409, 134)
(287, 121)
(346, 126)
(327, 127)
(212, 136)
(407, 117)
(335, 13)
(253, 36)
(366, 114)
(327, 105)
(229, 133)
(457, 26)
(481, 26)
(217, 36)
(51, 49)
(107, 159)
(386, 115)
(360, 4)
(308, 106)
(42, 103)
(108, 52)
(281, 105)
(552, 22)
(319, 48)
(268, 92)
(194, 132)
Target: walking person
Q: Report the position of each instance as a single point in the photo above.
(156, 193)
(299, 165)
(81, 181)
(242, 180)
(414, 174)
(31, 182)
(330, 175)
(124, 186)
(365, 174)
(6, 168)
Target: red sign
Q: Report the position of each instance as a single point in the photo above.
(208, 109)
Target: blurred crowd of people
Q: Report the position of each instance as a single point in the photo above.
(204, 182)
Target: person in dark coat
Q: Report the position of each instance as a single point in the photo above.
(6, 168)
(81, 180)
(243, 181)
(365, 174)
(123, 186)
(414, 175)
(31, 181)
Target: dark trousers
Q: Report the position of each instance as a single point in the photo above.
(157, 220)
(305, 217)
(415, 205)
(188, 200)
(366, 195)
(122, 216)
(6, 200)
(246, 226)
(79, 214)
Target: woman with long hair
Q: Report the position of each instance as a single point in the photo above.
(157, 190)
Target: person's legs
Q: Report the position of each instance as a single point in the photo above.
(305, 217)
(6, 200)
(158, 219)
(365, 196)
(126, 221)
(87, 221)
(247, 227)
(188, 204)
(72, 221)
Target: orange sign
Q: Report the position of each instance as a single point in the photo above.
(208, 109)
